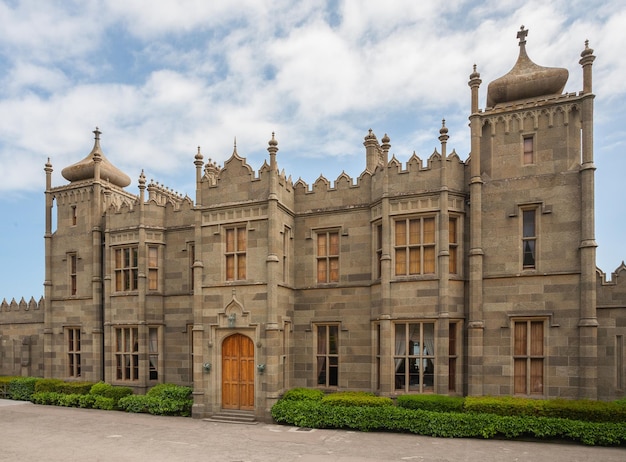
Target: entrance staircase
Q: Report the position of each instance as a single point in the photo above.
(233, 416)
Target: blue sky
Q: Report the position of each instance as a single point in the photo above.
(162, 78)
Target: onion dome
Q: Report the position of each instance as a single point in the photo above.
(86, 168)
(526, 79)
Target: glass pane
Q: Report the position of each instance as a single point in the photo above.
(230, 240)
(118, 335)
(333, 244)
(429, 231)
(334, 269)
(321, 370)
(529, 254)
(333, 332)
(536, 338)
(429, 339)
(126, 258)
(77, 339)
(414, 260)
(452, 231)
(379, 237)
(321, 270)
(135, 339)
(133, 262)
(153, 254)
(536, 376)
(230, 267)
(520, 339)
(520, 375)
(321, 340)
(153, 340)
(118, 258)
(529, 223)
(241, 267)
(333, 372)
(414, 231)
(429, 260)
(452, 261)
(400, 232)
(241, 239)
(400, 261)
(153, 283)
(400, 345)
(321, 245)
(400, 374)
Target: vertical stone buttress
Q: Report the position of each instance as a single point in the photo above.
(47, 340)
(443, 324)
(197, 331)
(475, 322)
(97, 334)
(142, 285)
(273, 335)
(588, 323)
(384, 314)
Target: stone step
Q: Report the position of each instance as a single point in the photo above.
(233, 416)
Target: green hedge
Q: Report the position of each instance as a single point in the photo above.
(356, 398)
(316, 414)
(61, 386)
(437, 403)
(585, 410)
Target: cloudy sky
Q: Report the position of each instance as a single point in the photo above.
(161, 78)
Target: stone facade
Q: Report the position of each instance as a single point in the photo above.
(440, 276)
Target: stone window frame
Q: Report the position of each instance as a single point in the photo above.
(528, 363)
(529, 148)
(126, 351)
(73, 343)
(235, 252)
(126, 268)
(422, 246)
(426, 354)
(327, 357)
(327, 260)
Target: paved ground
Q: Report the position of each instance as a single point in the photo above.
(30, 432)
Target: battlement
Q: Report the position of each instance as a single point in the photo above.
(22, 311)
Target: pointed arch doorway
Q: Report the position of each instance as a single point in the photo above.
(238, 373)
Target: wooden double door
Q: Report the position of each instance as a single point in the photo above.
(238, 373)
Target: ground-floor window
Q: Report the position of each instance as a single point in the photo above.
(414, 356)
(528, 357)
(126, 353)
(327, 355)
(153, 352)
(73, 352)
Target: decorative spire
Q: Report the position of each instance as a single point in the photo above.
(443, 132)
(142, 180)
(521, 35)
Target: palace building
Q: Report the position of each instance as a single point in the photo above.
(447, 276)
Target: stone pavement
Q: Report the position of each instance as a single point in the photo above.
(30, 432)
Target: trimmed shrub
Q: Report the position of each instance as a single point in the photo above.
(436, 403)
(133, 403)
(356, 398)
(104, 403)
(302, 394)
(45, 385)
(48, 398)
(61, 386)
(22, 388)
(109, 391)
(170, 391)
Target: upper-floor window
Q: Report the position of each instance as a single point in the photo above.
(415, 246)
(236, 248)
(126, 270)
(529, 238)
(529, 150)
(528, 357)
(328, 256)
(379, 250)
(73, 273)
(453, 242)
(73, 352)
(153, 267)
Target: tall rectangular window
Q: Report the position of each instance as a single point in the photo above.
(236, 248)
(191, 250)
(414, 356)
(452, 356)
(153, 352)
(528, 357)
(379, 250)
(415, 246)
(453, 241)
(619, 362)
(327, 256)
(126, 269)
(153, 268)
(73, 352)
(529, 150)
(74, 216)
(127, 353)
(73, 273)
(529, 238)
(327, 355)
(286, 252)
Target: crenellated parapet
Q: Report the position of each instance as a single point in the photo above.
(611, 292)
(162, 195)
(22, 311)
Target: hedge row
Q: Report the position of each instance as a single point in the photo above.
(163, 399)
(317, 414)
